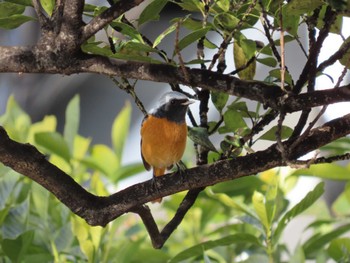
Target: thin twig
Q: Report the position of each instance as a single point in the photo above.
(321, 112)
(125, 85)
(43, 20)
(283, 63)
(178, 53)
(329, 19)
(281, 148)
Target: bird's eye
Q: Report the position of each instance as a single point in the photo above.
(172, 102)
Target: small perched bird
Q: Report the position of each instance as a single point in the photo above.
(164, 133)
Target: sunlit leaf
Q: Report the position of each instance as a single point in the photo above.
(164, 34)
(339, 249)
(191, 5)
(48, 6)
(204, 246)
(317, 242)
(259, 201)
(102, 159)
(54, 143)
(127, 170)
(120, 130)
(304, 204)
(71, 125)
(330, 171)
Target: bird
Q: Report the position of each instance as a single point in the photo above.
(164, 133)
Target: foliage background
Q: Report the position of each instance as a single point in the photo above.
(238, 221)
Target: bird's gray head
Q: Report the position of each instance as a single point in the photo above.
(173, 106)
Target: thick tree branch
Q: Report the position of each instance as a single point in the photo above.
(27, 60)
(96, 210)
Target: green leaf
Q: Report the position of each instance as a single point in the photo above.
(127, 30)
(276, 73)
(290, 22)
(298, 255)
(317, 242)
(219, 99)
(330, 171)
(152, 255)
(120, 130)
(337, 25)
(226, 21)
(48, 6)
(152, 11)
(241, 60)
(299, 7)
(40, 201)
(191, 5)
(346, 57)
(127, 171)
(199, 135)
(21, 2)
(126, 251)
(9, 9)
(233, 120)
(338, 147)
(231, 202)
(192, 37)
(54, 143)
(258, 201)
(16, 121)
(14, 21)
(341, 206)
(339, 249)
(16, 249)
(270, 135)
(304, 204)
(164, 34)
(72, 121)
(244, 186)
(198, 249)
(8, 181)
(269, 61)
(102, 159)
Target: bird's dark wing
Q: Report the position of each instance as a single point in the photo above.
(145, 164)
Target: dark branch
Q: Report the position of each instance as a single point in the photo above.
(99, 22)
(27, 60)
(26, 160)
(329, 19)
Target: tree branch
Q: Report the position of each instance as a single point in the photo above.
(100, 21)
(96, 210)
(27, 60)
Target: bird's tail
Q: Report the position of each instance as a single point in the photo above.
(158, 172)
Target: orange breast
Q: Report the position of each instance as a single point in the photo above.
(163, 141)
